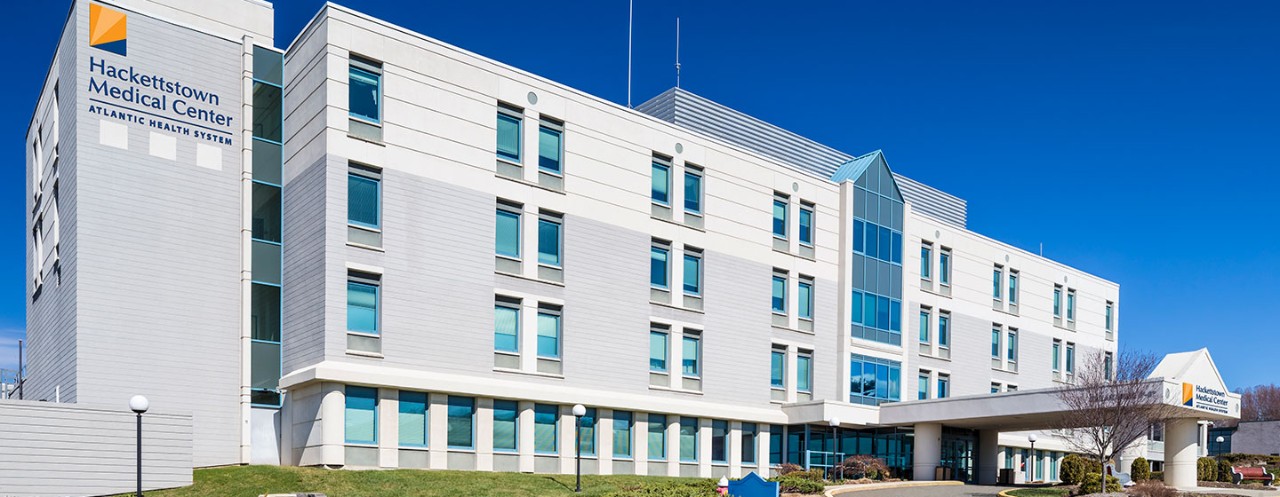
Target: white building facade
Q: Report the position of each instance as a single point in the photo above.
(371, 249)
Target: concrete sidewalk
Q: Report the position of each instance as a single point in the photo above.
(1246, 492)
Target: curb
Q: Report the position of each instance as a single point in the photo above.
(867, 487)
(1005, 493)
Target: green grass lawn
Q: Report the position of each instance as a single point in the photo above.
(1040, 492)
(250, 481)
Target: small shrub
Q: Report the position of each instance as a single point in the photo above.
(798, 485)
(1093, 482)
(1224, 471)
(811, 475)
(1140, 470)
(671, 488)
(1206, 469)
(787, 468)
(863, 466)
(1157, 476)
(1072, 469)
(1152, 489)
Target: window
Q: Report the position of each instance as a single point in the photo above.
(509, 132)
(779, 292)
(462, 422)
(587, 435)
(413, 419)
(365, 89)
(926, 318)
(688, 439)
(775, 444)
(995, 342)
(658, 350)
(506, 426)
(621, 434)
(944, 266)
(692, 189)
(1010, 388)
(806, 224)
(362, 303)
(944, 329)
(1057, 301)
(1109, 315)
(1106, 365)
(692, 271)
(1011, 346)
(944, 385)
(804, 298)
(506, 324)
(780, 203)
(550, 238)
(995, 387)
(878, 242)
(548, 331)
(661, 181)
(691, 354)
(1057, 355)
(804, 372)
(657, 437)
(546, 418)
(778, 367)
(1071, 305)
(1013, 287)
(551, 146)
(997, 282)
(659, 259)
(507, 236)
(362, 415)
(364, 197)
(873, 380)
(749, 443)
(926, 260)
(719, 441)
(1071, 358)
(922, 385)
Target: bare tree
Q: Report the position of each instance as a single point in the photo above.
(1260, 403)
(1111, 404)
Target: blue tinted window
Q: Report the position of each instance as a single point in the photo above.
(779, 294)
(886, 244)
(780, 218)
(413, 419)
(657, 437)
(856, 307)
(461, 425)
(362, 415)
(587, 435)
(550, 148)
(661, 183)
(691, 356)
(506, 328)
(895, 315)
(622, 434)
(873, 380)
(548, 242)
(882, 312)
(657, 352)
(859, 236)
(688, 439)
(804, 373)
(548, 334)
(658, 267)
(692, 192)
(806, 225)
(869, 310)
(362, 201)
(362, 307)
(925, 318)
(944, 330)
(506, 426)
(508, 233)
(365, 95)
(926, 262)
(873, 240)
(805, 298)
(777, 369)
(692, 274)
(509, 136)
(896, 248)
(545, 422)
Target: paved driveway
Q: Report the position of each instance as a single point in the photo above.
(947, 491)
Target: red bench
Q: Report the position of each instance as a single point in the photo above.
(1258, 474)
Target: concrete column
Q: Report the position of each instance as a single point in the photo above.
(762, 449)
(438, 431)
(640, 442)
(568, 441)
(604, 441)
(388, 428)
(928, 450)
(484, 434)
(524, 431)
(988, 463)
(333, 405)
(1181, 452)
(673, 445)
(734, 447)
(704, 447)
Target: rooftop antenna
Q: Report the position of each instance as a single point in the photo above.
(677, 52)
(631, 16)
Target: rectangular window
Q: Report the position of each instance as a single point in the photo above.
(462, 422)
(691, 354)
(719, 441)
(944, 266)
(551, 146)
(1013, 286)
(1071, 304)
(1011, 346)
(548, 331)
(692, 189)
(657, 437)
(587, 435)
(692, 271)
(778, 367)
(926, 318)
(922, 385)
(413, 419)
(995, 342)
(1109, 316)
(362, 303)
(365, 89)
(659, 265)
(1057, 301)
(749, 443)
(944, 385)
(506, 324)
(780, 203)
(688, 439)
(775, 444)
(859, 236)
(926, 260)
(804, 372)
(873, 380)
(362, 415)
(661, 193)
(997, 282)
(622, 434)
(855, 307)
(506, 426)
(995, 387)
(1106, 365)
(546, 418)
(1057, 355)
(550, 238)
(944, 329)
(364, 197)
(507, 228)
(658, 350)
(510, 120)
(779, 292)
(806, 223)
(804, 298)
(1071, 358)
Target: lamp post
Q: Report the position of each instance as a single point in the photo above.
(139, 405)
(834, 422)
(578, 412)
(1219, 454)
(1031, 466)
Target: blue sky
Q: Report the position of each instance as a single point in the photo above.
(1136, 141)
